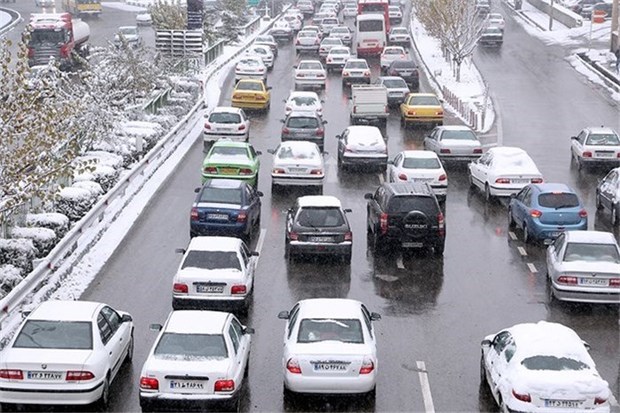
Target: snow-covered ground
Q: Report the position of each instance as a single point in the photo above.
(5, 19)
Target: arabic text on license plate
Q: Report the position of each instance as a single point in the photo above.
(520, 181)
(412, 245)
(320, 239)
(210, 288)
(45, 375)
(604, 154)
(217, 216)
(228, 171)
(603, 282)
(297, 170)
(330, 367)
(562, 403)
(189, 385)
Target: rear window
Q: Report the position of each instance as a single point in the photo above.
(221, 195)
(223, 117)
(403, 64)
(370, 26)
(298, 122)
(357, 65)
(424, 101)
(320, 217)
(212, 260)
(249, 86)
(304, 100)
(65, 335)
(229, 150)
(558, 200)
(401, 204)
(312, 330)
(392, 51)
(603, 139)
(462, 135)
(191, 346)
(298, 152)
(395, 83)
(553, 363)
(421, 163)
(311, 65)
(576, 251)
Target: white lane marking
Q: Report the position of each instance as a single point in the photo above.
(399, 263)
(426, 388)
(261, 240)
(381, 179)
(522, 251)
(513, 236)
(533, 269)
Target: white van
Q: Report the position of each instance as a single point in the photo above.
(369, 103)
(370, 37)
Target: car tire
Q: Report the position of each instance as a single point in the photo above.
(104, 401)
(527, 238)
(371, 395)
(511, 222)
(319, 190)
(483, 370)
(487, 193)
(8, 407)
(614, 216)
(551, 300)
(599, 205)
(129, 356)
(439, 248)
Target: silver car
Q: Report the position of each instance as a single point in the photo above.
(584, 266)
(304, 126)
(396, 87)
(454, 143)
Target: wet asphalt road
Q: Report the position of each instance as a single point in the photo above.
(434, 311)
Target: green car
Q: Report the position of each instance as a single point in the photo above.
(233, 160)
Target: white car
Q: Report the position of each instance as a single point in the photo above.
(502, 171)
(419, 166)
(307, 41)
(399, 36)
(391, 53)
(214, 272)
(310, 73)
(322, 14)
(343, 33)
(326, 45)
(542, 367)
(397, 88)
(596, 145)
(281, 30)
(356, 70)
(337, 57)
(330, 347)
(130, 34)
(199, 358)
(584, 266)
(264, 52)
(226, 122)
(303, 101)
(362, 145)
(496, 20)
(327, 24)
(268, 40)
(454, 143)
(144, 19)
(294, 21)
(395, 14)
(297, 163)
(65, 353)
(306, 7)
(350, 10)
(251, 67)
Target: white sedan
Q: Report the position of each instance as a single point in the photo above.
(297, 163)
(596, 146)
(496, 20)
(327, 44)
(390, 54)
(454, 143)
(541, 367)
(310, 73)
(362, 145)
(251, 67)
(343, 33)
(329, 347)
(584, 266)
(337, 57)
(226, 122)
(419, 166)
(199, 358)
(65, 353)
(263, 51)
(399, 36)
(214, 272)
(303, 101)
(350, 10)
(503, 171)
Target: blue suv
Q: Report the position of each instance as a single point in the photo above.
(544, 211)
(228, 207)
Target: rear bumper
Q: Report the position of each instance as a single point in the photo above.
(350, 80)
(180, 402)
(362, 160)
(504, 191)
(215, 303)
(549, 231)
(424, 119)
(296, 181)
(300, 247)
(238, 137)
(75, 394)
(586, 295)
(244, 104)
(330, 385)
(459, 158)
(212, 228)
(310, 82)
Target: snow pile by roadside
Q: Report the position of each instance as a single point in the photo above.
(469, 98)
(5, 19)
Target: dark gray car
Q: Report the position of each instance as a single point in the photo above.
(304, 126)
(408, 70)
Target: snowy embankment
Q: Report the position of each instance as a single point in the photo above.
(5, 19)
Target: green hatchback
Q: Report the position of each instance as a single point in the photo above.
(233, 160)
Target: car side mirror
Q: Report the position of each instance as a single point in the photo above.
(284, 100)
(573, 137)
(375, 316)
(324, 122)
(271, 151)
(486, 343)
(347, 210)
(269, 88)
(180, 250)
(283, 315)
(196, 190)
(513, 195)
(259, 193)
(586, 345)
(368, 196)
(325, 153)
(322, 101)
(338, 136)
(294, 66)
(248, 330)
(390, 161)
(126, 318)
(282, 120)
(155, 327)
(254, 254)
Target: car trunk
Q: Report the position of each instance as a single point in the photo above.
(181, 376)
(209, 282)
(460, 147)
(46, 366)
(329, 359)
(217, 213)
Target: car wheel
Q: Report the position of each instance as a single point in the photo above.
(371, 395)
(487, 193)
(319, 190)
(483, 370)
(104, 400)
(8, 407)
(129, 355)
(599, 205)
(614, 216)
(511, 222)
(527, 238)
(471, 181)
(579, 163)
(549, 290)
(376, 244)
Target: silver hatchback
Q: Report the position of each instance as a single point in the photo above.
(304, 126)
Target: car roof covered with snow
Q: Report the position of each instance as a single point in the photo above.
(214, 243)
(64, 310)
(594, 237)
(330, 308)
(196, 322)
(226, 109)
(310, 201)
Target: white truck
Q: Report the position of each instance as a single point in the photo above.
(369, 104)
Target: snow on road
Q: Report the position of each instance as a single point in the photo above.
(5, 19)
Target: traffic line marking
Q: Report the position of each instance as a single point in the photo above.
(261, 240)
(512, 235)
(532, 268)
(426, 387)
(399, 263)
(522, 251)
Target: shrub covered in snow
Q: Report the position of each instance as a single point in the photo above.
(99, 166)
(59, 223)
(75, 202)
(10, 276)
(95, 188)
(44, 239)
(18, 252)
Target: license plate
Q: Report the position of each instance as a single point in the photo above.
(228, 171)
(320, 239)
(186, 384)
(520, 181)
(412, 245)
(604, 154)
(297, 170)
(218, 216)
(212, 289)
(395, 94)
(601, 282)
(562, 403)
(555, 234)
(45, 375)
(422, 179)
(330, 367)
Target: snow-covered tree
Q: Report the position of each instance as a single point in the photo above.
(455, 23)
(168, 15)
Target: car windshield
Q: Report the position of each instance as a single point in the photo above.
(310, 66)
(224, 117)
(400, 30)
(553, 363)
(249, 62)
(585, 251)
(421, 163)
(403, 64)
(211, 260)
(331, 41)
(603, 139)
(298, 122)
(312, 330)
(191, 346)
(357, 65)
(221, 195)
(558, 200)
(314, 217)
(404, 204)
(254, 86)
(297, 152)
(395, 84)
(229, 151)
(64, 335)
(461, 135)
(424, 101)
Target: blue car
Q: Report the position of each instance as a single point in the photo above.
(228, 207)
(544, 211)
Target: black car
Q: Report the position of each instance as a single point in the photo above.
(407, 215)
(408, 70)
(317, 224)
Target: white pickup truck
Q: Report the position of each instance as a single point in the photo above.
(369, 103)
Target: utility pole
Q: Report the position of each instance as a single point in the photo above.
(615, 26)
(551, 14)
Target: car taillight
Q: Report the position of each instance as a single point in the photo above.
(259, 97)
(477, 150)
(193, 216)
(242, 217)
(11, 374)
(347, 149)
(386, 109)
(402, 177)
(278, 171)
(210, 170)
(180, 288)
(238, 289)
(288, 109)
(345, 74)
(600, 400)
(348, 236)
(367, 366)
(614, 282)
(383, 222)
(441, 224)
(316, 172)
(367, 73)
(293, 236)
(536, 180)
(297, 42)
(286, 130)
(502, 181)
(411, 112)
(587, 154)
(439, 113)
(523, 397)
(30, 52)
(317, 41)
(207, 126)
(245, 171)
(322, 49)
(236, 96)
(79, 375)
(443, 177)
(224, 385)
(534, 213)
(292, 366)
(241, 127)
(445, 151)
(149, 383)
(329, 60)
(320, 132)
(567, 279)
(583, 213)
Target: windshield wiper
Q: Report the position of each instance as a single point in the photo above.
(565, 206)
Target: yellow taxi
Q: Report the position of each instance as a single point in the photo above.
(251, 94)
(421, 108)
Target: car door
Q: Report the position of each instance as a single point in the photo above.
(431, 142)
(249, 194)
(554, 255)
(290, 216)
(478, 170)
(249, 263)
(244, 342)
(608, 189)
(237, 354)
(374, 208)
(342, 142)
(495, 361)
(522, 205)
(370, 327)
(577, 144)
(114, 336)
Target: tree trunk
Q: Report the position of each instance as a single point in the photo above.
(458, 71)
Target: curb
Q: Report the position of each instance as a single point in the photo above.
(15, 19)
(609, 78)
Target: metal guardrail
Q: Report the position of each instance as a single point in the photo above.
(76, 243)
(157, 102)
(213, 52)
(251, 27)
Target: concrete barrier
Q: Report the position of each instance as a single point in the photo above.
(562, 14)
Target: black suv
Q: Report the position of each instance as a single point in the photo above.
(407, 214)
